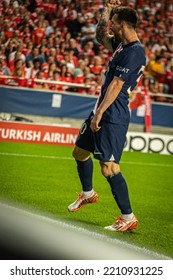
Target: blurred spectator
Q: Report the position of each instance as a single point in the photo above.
(28, 50)
(40, 85)
(59, 56)
(17, 56)
(51, 69)
(18, 74)
(34, 55)
(10, 47)
(88, 30)
(148, 51)
(75, 25)
(65, 74)
(169, 67)
(97, 65)
(90, 81)
(51, 27)
(35, 69)
(70, 60)
(155, 69)
(3, 56)
(170, 44)
(7, 30)
(56, 77)
(86, 71)
(19, 67)
(88, 49)
(43, 53)
(153, 86)
(73, 46)
(155, 66)
(4, 70)
(78, 76)
(32, 5)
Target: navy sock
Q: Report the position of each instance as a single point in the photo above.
(120, 192)
(85, 171)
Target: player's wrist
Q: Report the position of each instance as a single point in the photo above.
(99, 112)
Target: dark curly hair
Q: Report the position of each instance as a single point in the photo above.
(126, 14)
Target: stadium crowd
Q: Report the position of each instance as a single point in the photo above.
(54, 40)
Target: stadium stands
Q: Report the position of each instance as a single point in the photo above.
(40, 38)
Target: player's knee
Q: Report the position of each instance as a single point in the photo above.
(104, 170)
(109, 168)
(80, 154)
(76, 154)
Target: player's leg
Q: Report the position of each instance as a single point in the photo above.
(127, 220)
(85, 171)
(109, 142)
(81, 153)
(84, 168)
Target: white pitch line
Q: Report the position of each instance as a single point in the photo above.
(35, 156)
(70, 158)
(143, 252)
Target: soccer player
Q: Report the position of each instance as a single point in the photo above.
(104, 132)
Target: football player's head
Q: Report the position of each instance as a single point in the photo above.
(124, 14)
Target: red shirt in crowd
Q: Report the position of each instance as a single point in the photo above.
(38, 34)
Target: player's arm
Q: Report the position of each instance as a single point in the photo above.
(111, 94)
(102, 33)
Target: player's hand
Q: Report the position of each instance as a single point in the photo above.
(95, 122)
(112, 3)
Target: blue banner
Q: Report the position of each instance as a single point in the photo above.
(70, 105)
(45, 103)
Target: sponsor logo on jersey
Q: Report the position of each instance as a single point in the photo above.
(122, 69)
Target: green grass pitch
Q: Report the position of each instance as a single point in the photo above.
(44, 178)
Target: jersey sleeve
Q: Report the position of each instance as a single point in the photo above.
(129, 65)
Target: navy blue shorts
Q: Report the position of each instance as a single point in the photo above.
(107, 144)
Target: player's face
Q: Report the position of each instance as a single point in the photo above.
(115, 26)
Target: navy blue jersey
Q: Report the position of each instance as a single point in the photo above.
(127, 62)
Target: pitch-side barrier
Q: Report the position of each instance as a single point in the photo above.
(16, 81)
